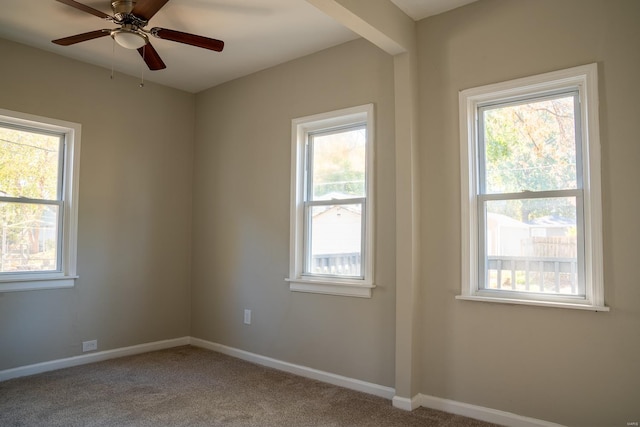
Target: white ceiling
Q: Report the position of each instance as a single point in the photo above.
(420, 9)
(258, 34)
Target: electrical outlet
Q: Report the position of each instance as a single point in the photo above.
(247, 317)
(89, 345)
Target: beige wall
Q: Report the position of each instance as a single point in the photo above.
(134, 212)
(567, 366)
(139, 281)
(241, 216)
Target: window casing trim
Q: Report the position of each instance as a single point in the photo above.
(66, 276)
(298, 280)
(584, 79)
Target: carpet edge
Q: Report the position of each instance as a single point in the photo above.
(83, 359)
(303, 371)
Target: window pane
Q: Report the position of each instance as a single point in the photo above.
(530, 146)
(531, 245)
(29, 237)
(338, 170)
(336, 240)
(29, 164)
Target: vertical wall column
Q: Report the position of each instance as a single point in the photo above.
(386, 26)
(407, 231)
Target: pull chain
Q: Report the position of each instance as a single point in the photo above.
(142, 67)
(113, 56)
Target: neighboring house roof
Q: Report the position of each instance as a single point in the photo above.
(552, 221)
(334, 195)
(347, 209)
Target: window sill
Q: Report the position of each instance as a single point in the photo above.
(327, 287)
(36, 282)
(538, 303)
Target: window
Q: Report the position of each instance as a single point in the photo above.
(38, 202)
(331, 203)
(531, 204)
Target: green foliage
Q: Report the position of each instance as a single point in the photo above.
(339, 164)
(29, 167)
(344, 181)
(531, 147)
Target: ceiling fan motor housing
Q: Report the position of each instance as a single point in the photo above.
(122, 7)
(122, 13)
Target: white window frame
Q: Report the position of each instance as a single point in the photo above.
(322, 284)
(66, 275)
(584, 79)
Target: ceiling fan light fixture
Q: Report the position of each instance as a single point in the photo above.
(129, 39)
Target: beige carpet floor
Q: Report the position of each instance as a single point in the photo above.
(189, 386)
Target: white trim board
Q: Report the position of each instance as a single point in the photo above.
(303, 371)
(467, 410)
(83, 359)
(479, 412)
(405, 403)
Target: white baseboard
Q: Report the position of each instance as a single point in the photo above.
(83, 359)
(472, 411)
(303, 371)
(480, 413)
(405, 403)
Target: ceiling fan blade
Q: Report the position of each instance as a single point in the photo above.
(85, 8)
(186, 38)
(145, 9)
(151, 57)
(67, 41)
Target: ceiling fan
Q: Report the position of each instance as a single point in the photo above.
(132, 16)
